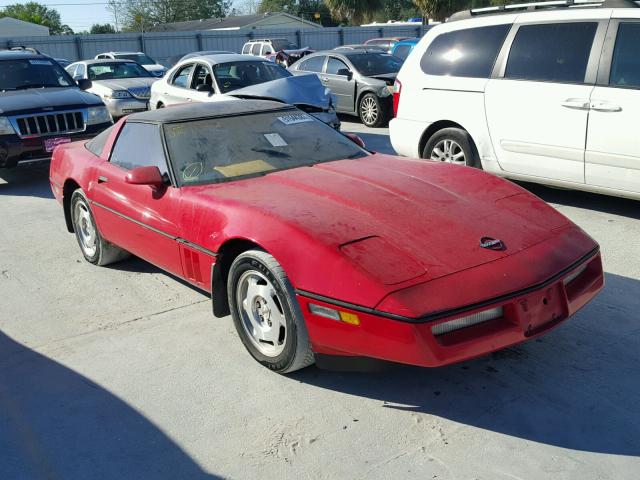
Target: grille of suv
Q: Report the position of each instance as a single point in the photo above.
(49, 123)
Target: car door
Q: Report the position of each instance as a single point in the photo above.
(138, 218)
(176, 89)
(537, 109)
(612, 159)
(341, 83)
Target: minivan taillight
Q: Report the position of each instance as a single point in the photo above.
(397, 89)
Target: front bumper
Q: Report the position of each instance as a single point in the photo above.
(526, 315)
(14, 149)
(119, 107)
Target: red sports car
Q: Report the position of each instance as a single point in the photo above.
(317, 246)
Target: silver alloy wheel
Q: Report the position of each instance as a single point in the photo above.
(369, 109)
(86, 229)
(449, 151)
(261, 312)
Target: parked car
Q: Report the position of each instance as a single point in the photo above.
(362, 81)
(41, 107)
(201, 54)
(216, 78)
(316, 246)
(403, 48)
(149, 64)
(387, 42)
(541, 96)
(369, 48)
(123, 85)
(264, 47)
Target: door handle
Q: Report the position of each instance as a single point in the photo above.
(576, 103)
(102, 179)
(599, 106)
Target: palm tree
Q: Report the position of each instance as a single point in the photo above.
(353, 11)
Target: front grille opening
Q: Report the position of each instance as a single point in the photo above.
(467, 321)
(50, 124)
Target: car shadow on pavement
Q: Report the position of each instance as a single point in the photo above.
(589, 201)
(575, 388)
(56, 423)
(26, 180)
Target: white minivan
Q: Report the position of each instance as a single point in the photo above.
(550, 95)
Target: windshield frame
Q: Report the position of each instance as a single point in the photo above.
(54, 65)
(145, 73)
(180, 184)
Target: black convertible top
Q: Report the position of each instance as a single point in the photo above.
(206, 110)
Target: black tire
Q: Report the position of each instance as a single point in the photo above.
(368, 118)
(105, 252)
(461, 138)
(296, 349)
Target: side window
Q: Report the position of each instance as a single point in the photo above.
(246, 48)
(139, 145)
(266, 49)
(313, 64)
(401, 51)
(255, 49)
(181, 79)
(625, 66)
(97, 143)
(201, 76)
(465, 53)
(552, 52)
(333, 65)
(71, 70)
(81, 71)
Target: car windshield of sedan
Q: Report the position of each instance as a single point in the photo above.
(218, 150)
(141, 58)
(283, 45)
(371, 64)
(109, 71)
(234, 75)
(32, 73)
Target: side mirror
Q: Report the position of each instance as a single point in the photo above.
(345, 72)
(203, 87)
(355, 139)
(84, 84)
(145, 176)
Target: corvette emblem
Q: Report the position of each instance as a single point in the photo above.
(491, 243)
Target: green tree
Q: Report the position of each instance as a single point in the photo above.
(306, 9)
(354, 12)
(34, 12)
(98, 28)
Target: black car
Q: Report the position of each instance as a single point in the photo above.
(41, 107)
(362, 81)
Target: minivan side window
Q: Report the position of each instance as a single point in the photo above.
(246, 49)
(551, 52)
(465, 53)
(139, 145)
(255, 49)
(625, 66)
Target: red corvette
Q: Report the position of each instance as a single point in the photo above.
(316, 246)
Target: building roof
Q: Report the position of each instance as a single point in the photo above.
(200, 111)
(14, 22)
(235, 22)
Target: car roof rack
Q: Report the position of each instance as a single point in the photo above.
(22, 48)
(546, 5)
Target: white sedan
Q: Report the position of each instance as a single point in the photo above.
(211, 78)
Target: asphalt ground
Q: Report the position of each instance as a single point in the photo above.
(122, 372)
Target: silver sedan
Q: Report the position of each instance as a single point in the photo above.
(123, 85)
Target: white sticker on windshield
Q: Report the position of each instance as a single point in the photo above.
(275, 140)
(40, 62)
(293, 118)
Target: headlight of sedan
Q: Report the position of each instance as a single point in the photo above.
(119, 94)
(99, 115)
(5, 127)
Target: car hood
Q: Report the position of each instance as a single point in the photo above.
(127, 83)
(36, 99)
(156, 67)
(295, 90)
(401, 219)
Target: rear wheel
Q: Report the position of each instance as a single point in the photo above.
(94, 248)
(452, 145)
(372, 112)
(266, 314)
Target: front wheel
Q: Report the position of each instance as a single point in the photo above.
(452, 145)
(372, 112)
(266, 314)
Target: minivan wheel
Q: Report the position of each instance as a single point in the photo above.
(452, 145)
(371, 111)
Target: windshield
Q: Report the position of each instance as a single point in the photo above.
(234, 75)
(141, 58)
(370, 64)
(283, 45)
(32, 73)
(222, 149)
(108, 71)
